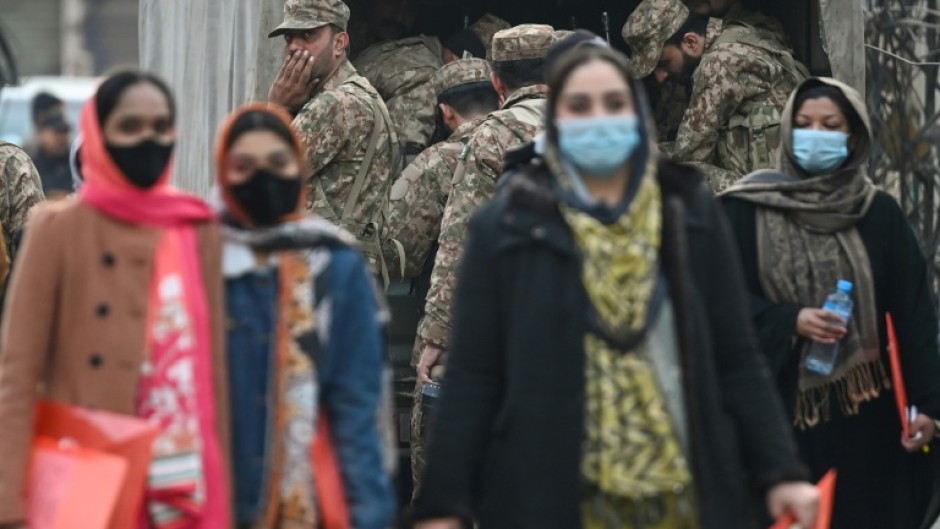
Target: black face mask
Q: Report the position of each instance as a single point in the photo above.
(142, 163)
(267, 197)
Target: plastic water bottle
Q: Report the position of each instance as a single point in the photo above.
(821, 358)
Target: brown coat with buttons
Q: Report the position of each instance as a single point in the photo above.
(75, 324)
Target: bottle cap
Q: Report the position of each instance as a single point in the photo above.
(845, 286)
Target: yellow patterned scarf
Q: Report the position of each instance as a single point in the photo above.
(619, 265)
(631, 449)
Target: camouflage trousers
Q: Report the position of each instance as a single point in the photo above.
(418, 440)
(418, 426)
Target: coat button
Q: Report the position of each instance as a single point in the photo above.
(538, 232)
(103, 310)
(108, 259)
(96, 360)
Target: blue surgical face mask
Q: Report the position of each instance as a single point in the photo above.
(820, 152)
(598, 147)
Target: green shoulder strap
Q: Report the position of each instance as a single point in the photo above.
(378, 114)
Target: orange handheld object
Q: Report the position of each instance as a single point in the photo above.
(123, 436)
(72, 487)
(897, 377)
(827, 497)
(331, 491)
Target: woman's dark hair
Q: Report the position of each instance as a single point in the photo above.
(820, 90)
(574, 59)
(111, 90)
(696, 23)
(259, 120)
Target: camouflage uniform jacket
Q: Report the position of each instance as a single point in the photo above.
(417, 202)
(481, 164)
(732, 124)
(336, 126)
(22, 189)
(769, 26)
(674, 97)
(401, 71)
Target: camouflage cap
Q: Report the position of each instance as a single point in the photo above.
(487, 26)
(464, 71)
(312, 14)
(648, 28)
(528, 41)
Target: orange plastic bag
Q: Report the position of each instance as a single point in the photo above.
(126, 437)
(329, 480)
(72, 487)
(827, 499)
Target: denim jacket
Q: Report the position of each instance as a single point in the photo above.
(350, 375)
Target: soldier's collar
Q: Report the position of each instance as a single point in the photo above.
(712, 31)
(538, 91)
(343, 73)
(464, 129)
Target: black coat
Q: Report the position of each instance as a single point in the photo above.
(880, 485)
(505, 448)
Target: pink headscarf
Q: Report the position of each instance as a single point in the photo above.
(108, 190)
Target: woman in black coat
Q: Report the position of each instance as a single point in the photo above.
(801, 229)
(603, 371)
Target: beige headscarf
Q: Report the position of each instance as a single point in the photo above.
(806, 242)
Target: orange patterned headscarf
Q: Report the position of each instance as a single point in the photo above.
(223, 148)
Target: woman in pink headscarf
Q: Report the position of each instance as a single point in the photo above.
(115, 304)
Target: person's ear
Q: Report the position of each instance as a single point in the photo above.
(693, 44)
(500, 88)
(449, 116)
(340, 44)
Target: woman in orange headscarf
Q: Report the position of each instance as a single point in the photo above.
(116, 306)
(304, 343)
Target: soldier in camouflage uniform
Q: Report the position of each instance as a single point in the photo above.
(401, 71)
(741, 78)
(22, 189)
(674, 96)
(351, 146)
(465, 94)
(518, 61)
(419, 195)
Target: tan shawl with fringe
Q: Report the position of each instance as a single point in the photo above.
(806, 242)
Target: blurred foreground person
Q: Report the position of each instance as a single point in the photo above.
(816, 220)
(596, 377)
(116, 306)
(304, 338)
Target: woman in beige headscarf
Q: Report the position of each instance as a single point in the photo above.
(802, 228)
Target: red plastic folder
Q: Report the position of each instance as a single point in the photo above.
(897, 377)
(78, 439)
(71, 487)
(827, 497)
